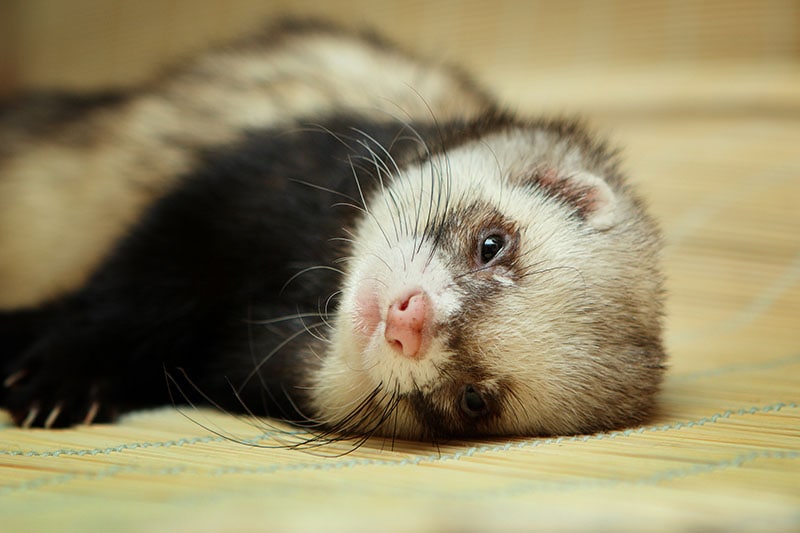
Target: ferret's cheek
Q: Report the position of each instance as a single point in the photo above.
(366, 314)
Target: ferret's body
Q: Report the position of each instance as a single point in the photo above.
(315, 226)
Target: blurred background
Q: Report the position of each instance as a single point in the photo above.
(100, 43)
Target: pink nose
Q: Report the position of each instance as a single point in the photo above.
(406, 323)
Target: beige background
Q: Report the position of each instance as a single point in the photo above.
(89, 43)
(705, 99)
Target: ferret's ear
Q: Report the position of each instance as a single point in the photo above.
(590, 194)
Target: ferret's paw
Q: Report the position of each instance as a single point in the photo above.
(37, 395)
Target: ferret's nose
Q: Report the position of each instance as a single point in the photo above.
(406, 323)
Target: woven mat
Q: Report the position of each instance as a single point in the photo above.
(716, 149)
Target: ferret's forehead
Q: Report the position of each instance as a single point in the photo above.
(497, 169)
(507, 153)
(493, 175)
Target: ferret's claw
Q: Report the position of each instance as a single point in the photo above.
(91, 414)
(15, 378)
(53, 416)
(32, 414)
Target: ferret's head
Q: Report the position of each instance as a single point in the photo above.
(506, 284)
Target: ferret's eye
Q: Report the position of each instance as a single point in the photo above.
(490, 247)
(472, 403)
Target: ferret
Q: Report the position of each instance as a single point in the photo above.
(314, 225)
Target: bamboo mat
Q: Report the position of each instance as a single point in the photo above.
(715, 147)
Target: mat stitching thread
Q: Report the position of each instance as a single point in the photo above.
(71, 452)
(652, 479)
(270, 469)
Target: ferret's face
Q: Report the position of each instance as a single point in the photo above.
(502, 287)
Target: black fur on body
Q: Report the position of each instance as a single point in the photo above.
(254, 233)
